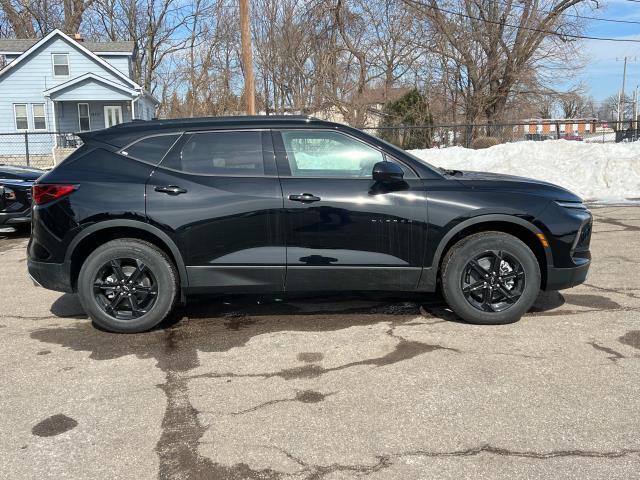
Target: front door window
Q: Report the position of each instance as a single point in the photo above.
(325, 153)
(112, 115)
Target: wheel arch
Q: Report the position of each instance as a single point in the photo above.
(100, 233)
(516, 226)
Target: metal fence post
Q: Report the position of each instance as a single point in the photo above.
(26, 146)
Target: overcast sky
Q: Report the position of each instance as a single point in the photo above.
(603, 74)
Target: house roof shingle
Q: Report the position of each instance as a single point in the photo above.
(19, 45)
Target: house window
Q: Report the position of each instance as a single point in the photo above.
(83, 117)
(60, 64)
(20, 113)
(39, 116)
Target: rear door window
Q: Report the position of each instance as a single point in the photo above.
(237, 153)
(151, 149)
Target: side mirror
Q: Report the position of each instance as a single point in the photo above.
(388, 172)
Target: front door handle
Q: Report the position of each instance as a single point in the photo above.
(170, 189)
(304, 198)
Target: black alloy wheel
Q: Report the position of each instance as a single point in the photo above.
(493, 281)
(490, 278)
(125, 288)
(128, 285)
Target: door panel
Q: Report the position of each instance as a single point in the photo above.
(347, 233)
(228, 227)
(357, 236)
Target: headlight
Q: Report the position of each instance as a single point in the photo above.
(574, 205)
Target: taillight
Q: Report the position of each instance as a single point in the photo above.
(45, 193)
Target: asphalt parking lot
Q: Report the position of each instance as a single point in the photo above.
(339, 387)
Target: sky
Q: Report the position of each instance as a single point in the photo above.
(602, 74)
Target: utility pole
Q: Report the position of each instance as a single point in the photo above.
(622, 100)
(635, 110)
(621, 96)
(247, 58)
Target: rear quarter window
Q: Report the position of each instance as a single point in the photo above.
(151, 149)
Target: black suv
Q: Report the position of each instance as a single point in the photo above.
(144, 214)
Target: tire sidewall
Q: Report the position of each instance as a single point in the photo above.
(471, 248)
(154, 259)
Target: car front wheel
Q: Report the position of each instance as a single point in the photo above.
(490, 278)
(127, 286)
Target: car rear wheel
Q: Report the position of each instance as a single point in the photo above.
(127, 286)
(490, 278)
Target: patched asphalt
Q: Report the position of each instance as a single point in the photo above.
(345, 386)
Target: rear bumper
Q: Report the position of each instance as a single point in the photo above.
(53, 276)
(561, 278)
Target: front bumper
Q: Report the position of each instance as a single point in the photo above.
(561, 278)
(15, 218)
(53, 276)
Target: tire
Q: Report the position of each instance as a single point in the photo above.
(474, 291)
(134, 275)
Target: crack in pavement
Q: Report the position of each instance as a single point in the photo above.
(315, 472)
(404, 350)
(303, 396)
(525, 453)
(620, 291)
(612, 221)
(577, 312)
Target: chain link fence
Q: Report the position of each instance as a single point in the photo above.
(36, 149)
(483, 136)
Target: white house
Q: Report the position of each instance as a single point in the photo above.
(63, 85)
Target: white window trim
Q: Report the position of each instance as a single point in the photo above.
(33, 117)
(15, 117)
(53, 66)
(119, 107)
(88, 117)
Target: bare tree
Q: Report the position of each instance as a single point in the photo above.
(153, 25)
(36, 18)
(498, 48)
(575, 104)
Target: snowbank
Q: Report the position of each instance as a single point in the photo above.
(596, 172)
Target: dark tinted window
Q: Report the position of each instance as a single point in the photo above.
(151, 149)
(221, 153)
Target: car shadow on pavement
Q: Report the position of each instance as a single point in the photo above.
(230, 307)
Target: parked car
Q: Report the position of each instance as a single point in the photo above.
(15, 194)
(144, 214)
(572, 137)
(537, 137)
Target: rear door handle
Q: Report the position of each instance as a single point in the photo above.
(170, 189)
(304, 198)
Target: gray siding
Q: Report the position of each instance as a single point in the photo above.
(145, 108)
(90, 89)
(120, 62)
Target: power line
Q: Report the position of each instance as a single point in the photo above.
(566, 35)
(583, 17)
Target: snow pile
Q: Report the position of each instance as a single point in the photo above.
(596, 172)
